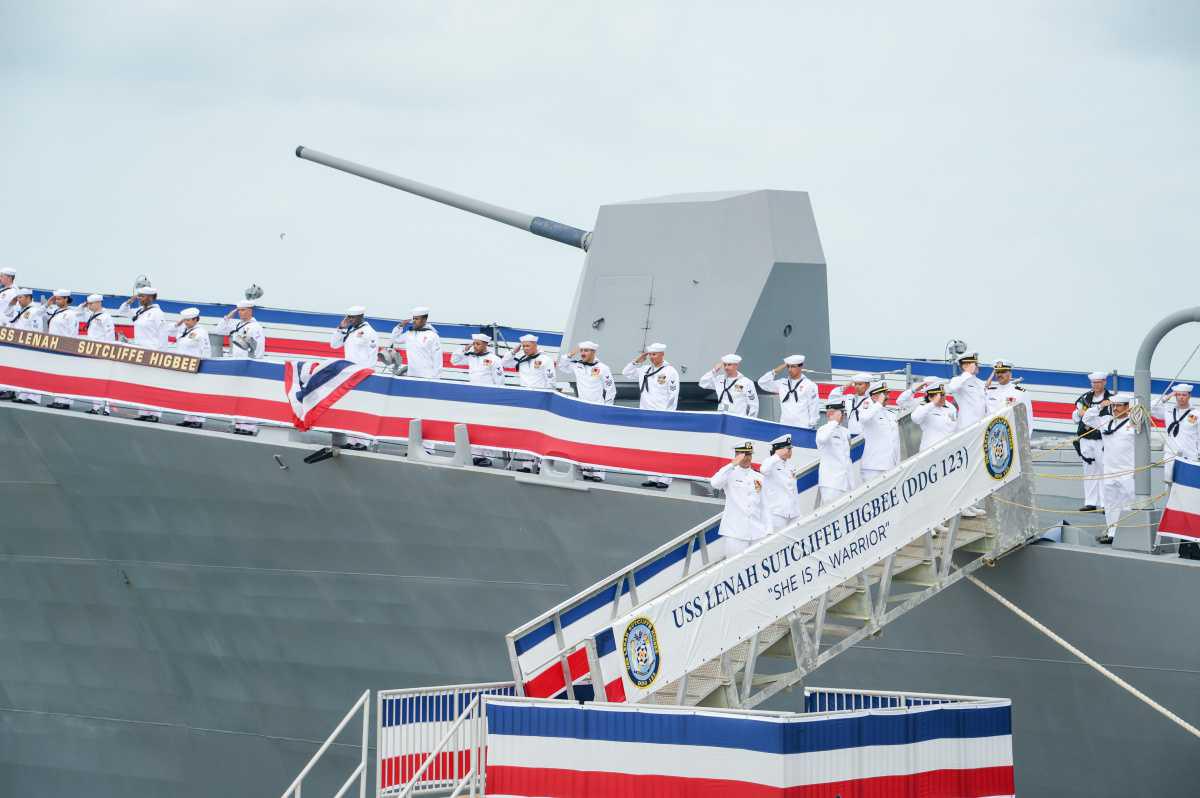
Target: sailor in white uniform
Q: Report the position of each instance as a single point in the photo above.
(969, 392)
(882, 434)
(25, 314)
(1002, 391)
(149, 331)
(936, 419)
(483, 368)
(1089, 443)
(62, 319)
(535, 368)
(247, 341)
(97, 326)
(594, 384)
(835, 473)
(1120, 434)
(1182, 427)
(8, 287)
(658, 388)
(744, 520)
(360, 345)
(854, 397)
(779, 481)
(799, 404)
(191, 339)
(735, 392)
(424, 346)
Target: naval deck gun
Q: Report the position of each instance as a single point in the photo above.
(704, 273)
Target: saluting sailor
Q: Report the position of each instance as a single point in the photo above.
(97, 326)
(735, 392)
(535, 369)
(1089, 443)
(744, 520)
(246, 342)
(61, 319)
(25, 314)
(779, 481)
(798, 399)
(593, 380)
(8, 287)
(969, 392)
(936, 419)
(360, 345)
(424, 346)
(483, 368)
(1182, 428)
(834, 473)
(191, 339)
(149, 323)
(882, 434)
(854, 398)
(1120, 433)
(658, 387)
(1003, 390)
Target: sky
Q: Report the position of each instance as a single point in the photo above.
(1021, 175)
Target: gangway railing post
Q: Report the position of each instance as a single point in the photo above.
(947, 556)
(749, 667)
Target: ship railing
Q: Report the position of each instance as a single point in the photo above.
(362, 705)
(424, 740)
(838, 699)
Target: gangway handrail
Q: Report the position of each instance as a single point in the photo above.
(476, 771)
(363, 703)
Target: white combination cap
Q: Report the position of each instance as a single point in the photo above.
(863, 376)
(782, 440)
(189, 313)
(8, 271)
(420, 310)
(968, 357)
(1182, 387)
(487, 339)
(1002, 365)
(656, 348)
(356, 310)
(731, 360)
(589, 345)
(245, 303)
(794, 360)
(61, 292)
(835, 404)
(1096, 376)
(879, 387)
(95, 298)
(23, 292)
(148, 291)
(1122, 399)
(528, 338)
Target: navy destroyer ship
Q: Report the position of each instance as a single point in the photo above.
(187, 613)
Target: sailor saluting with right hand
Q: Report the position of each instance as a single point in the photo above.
(735, 392)
(360, 345)
(745, 518)
(658, 388)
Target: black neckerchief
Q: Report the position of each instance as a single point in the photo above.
(473, 353)
(857, 405)
(50, 317)
(650, 372)
(1173, 427)
(1111, 429)
(725, 392)
(523, 359)
(791, 390)
(241, 326)
(87, 325)
(138, 315)
(346, 334)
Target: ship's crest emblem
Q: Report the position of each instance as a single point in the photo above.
(641, 652)
(998, 447)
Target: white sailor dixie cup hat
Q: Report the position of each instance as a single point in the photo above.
(1097, 376)
(794, 360)
(356, 310)
(95, 298)
(782, 442)
(863, 376)
(23, 292)
(420, 310)
(589, 345)
(656, 347)
(189, 313)
(245, 303)
(528, 338)
(731, 359)
(62, 292)
(148, 290)
(8, 271)
(1182, 387)
(481, 337)
(1122, 398)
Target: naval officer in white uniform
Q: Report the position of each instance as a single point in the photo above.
(835, 475)
(1181, 433)
(149, 331)
(937, 419)
(735, 392)
(779, 481)
(191, 339)
(799, 404)
(61, 319)
(969, 392)
(882, 434)
(744, 520)
(97, 326)
(247, 341)
(658, 389)
(1120, 435)
(594, 384)
(483, 368)
(360, 345)
(424, 346)
(1003, 390)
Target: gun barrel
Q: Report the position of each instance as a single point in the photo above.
(538, 225)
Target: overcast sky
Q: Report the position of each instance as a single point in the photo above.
(1022, 175)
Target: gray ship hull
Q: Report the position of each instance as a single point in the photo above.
(180, 615)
